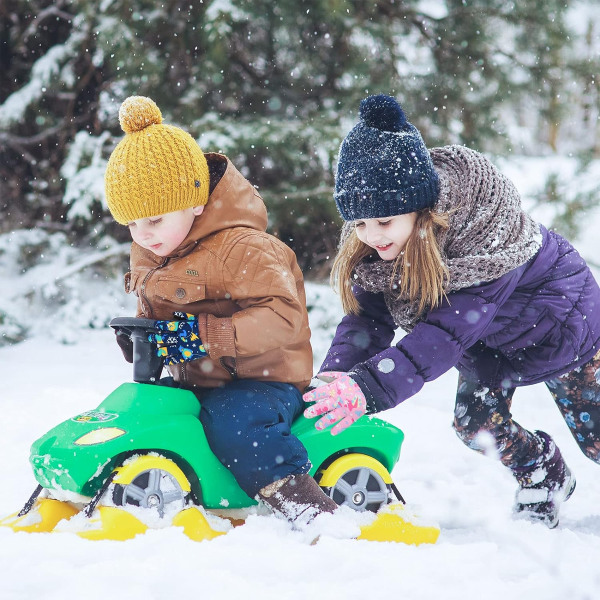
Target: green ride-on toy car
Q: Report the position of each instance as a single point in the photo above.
(141, 459)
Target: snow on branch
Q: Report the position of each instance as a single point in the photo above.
(44, 70)
(53, 277)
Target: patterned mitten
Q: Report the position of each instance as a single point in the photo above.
(178, 341)
(341, 401)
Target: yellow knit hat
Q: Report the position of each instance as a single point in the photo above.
(155, 169)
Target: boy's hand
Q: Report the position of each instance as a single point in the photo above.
(178, 341)
(341, 401)
(125, 343)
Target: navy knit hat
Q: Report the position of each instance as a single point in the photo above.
(384, 168)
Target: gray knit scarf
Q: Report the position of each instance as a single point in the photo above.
(489, 233)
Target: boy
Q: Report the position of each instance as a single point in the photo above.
(240, 334)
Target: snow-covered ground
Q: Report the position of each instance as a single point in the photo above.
(481, 553)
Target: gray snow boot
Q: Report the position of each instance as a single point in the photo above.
(298, 498)
(544, 486)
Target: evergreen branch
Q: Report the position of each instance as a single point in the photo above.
(70, 270)
(46, 13)
(34, 140)
(300, 194)
(88, 261)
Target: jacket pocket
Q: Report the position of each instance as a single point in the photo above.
(180, 291)
(545, 332)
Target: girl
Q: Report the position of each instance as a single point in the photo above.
(436, 242)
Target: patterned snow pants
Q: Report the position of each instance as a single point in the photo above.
(480, 409)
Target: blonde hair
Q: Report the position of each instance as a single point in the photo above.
(423, 274)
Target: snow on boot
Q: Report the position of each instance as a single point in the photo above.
(301, 501)
(298, 498)
(544, 486)
(310, 511)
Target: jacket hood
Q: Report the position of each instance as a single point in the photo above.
(234, 202)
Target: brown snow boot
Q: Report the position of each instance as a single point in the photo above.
(298, 498)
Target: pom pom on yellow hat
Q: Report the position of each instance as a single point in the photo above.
(156, 168)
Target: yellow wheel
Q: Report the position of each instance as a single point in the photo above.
(151, 482)
(358, 481)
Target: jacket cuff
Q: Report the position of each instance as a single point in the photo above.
(367, 383)
(217, 335)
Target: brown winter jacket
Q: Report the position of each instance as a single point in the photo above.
(244, 285)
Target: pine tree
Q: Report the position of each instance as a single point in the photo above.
(275, 85)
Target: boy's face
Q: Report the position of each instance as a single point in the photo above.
(164, 233)
(386, 235)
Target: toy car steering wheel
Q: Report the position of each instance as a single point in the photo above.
(147, 366)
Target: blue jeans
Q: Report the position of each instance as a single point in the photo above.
(247, 424)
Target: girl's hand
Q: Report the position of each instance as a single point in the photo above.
(341, 401)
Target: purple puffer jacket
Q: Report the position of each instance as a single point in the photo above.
(537, 322)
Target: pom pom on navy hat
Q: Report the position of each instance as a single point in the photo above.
(384, 168)
(382, 112)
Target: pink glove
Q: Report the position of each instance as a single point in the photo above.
(340, 400)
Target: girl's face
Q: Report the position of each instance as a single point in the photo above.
(164, 233)
(387, 235)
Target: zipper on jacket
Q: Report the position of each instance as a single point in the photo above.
(143, 287)
(229, 368)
